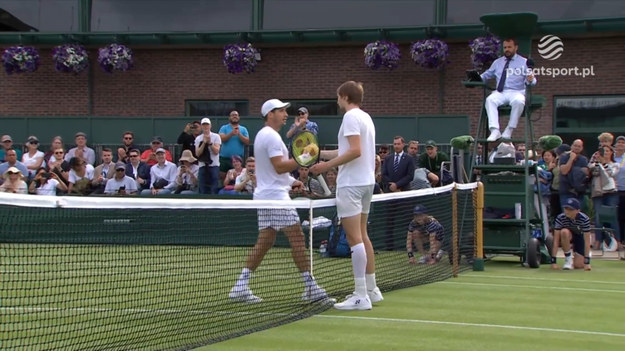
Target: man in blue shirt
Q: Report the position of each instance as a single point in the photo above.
(511, 73)
(302, 123)
(234, 139)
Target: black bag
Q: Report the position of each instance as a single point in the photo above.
(206, 155)
(160, 183)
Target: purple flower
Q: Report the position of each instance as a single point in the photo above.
(71, 58)
(240, 57)
(19, 59)
(115, 57)
(382, 54)
(430, 53)
(484, 50)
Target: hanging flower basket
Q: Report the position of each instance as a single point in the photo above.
(382, 54)
(115, 57)
(484, 50)
(240, 57)
(71, 58)
(20, 59)
(430, 53)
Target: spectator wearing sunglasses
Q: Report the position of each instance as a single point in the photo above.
(149, 156)
(59, 166)
(33, 158)
(128, 143)
(302, 123)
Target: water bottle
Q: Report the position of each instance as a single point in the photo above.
(537, 233)
(323, 249)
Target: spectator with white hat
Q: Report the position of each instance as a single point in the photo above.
(14, 182)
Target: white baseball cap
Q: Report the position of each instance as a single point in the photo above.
(273, 104)
(205, 121)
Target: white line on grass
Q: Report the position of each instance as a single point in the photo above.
(536, 287)
(481, 325)
(537, 278)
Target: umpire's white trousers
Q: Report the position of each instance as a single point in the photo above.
(514, 98)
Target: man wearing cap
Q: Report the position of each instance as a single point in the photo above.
(207, 146)
(424, 228)
(81, 150)
(432, 159)
(11, 161)
(120, 184)
(7, 143)
(619, 157)
(149, 156)
(274, 181)
(234, 139)
(572, 227)
(301, 124)
(162, 175)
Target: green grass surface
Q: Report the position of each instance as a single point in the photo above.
(506, 307)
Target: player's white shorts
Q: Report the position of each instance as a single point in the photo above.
(353, 200)
(277, 218)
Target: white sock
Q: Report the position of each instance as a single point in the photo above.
(308, 279)
(360, 286)
(370, 279)
(244, 278)
(359, 260)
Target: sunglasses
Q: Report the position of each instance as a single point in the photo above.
(58, 152)
(120, 170)
(33, 142)
(127, 138)
(133, 155)
(12, 173)
(301, 113)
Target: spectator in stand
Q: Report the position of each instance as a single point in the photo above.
(59, 166)
(574, 173)
(234, 139)
(311, 188)
(7, 143)
(382, 152)
(163, 175)
(423, 179)
(13, 182)
(103, 172)
(137, 170)
(187, 137)
(186, 180)
(330, 178)
(207, 146)
(246, 181)
(232, 174)
(120, 184)
(46, 183)
(619, 158)
(432, 159)
(149, 156)
(546, 180)
(605, 139)
(302, 123)
(80, 176)
(377, 188)
(81, 150)
(128, 143)
(603, 190)
(33, 158)
(11, 161)
(413, 151)
(57, 143)
(555, 204)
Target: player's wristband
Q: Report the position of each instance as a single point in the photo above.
(410, 254)
(586, 260)
(553, 259)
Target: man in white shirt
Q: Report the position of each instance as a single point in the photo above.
(162, 175)
(207, 146)
(120, 184)
(274, 181)
(355, 158)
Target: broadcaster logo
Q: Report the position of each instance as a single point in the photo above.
(550, 47)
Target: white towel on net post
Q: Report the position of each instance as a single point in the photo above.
(318, 222)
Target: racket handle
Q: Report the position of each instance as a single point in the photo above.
(324, 186)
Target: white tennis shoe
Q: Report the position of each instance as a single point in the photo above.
(314, 293)
(568, 263)
(243, 294)
(354, 302)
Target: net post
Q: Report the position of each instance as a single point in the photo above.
(478, 200)
(454, 228)
(310, 236)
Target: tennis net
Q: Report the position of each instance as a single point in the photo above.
(155, 273)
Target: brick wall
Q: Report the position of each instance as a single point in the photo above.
(164, 78)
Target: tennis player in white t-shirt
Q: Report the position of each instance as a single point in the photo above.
(273, 182)
(355, 158)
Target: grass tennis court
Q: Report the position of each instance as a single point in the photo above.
(506, 307)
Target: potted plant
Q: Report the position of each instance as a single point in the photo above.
(71, 58)
(430, 53)
(115, 57)
(240, 57)
(484, 50)
(382, 54)
(20, 59)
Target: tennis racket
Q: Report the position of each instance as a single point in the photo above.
(305, 151)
